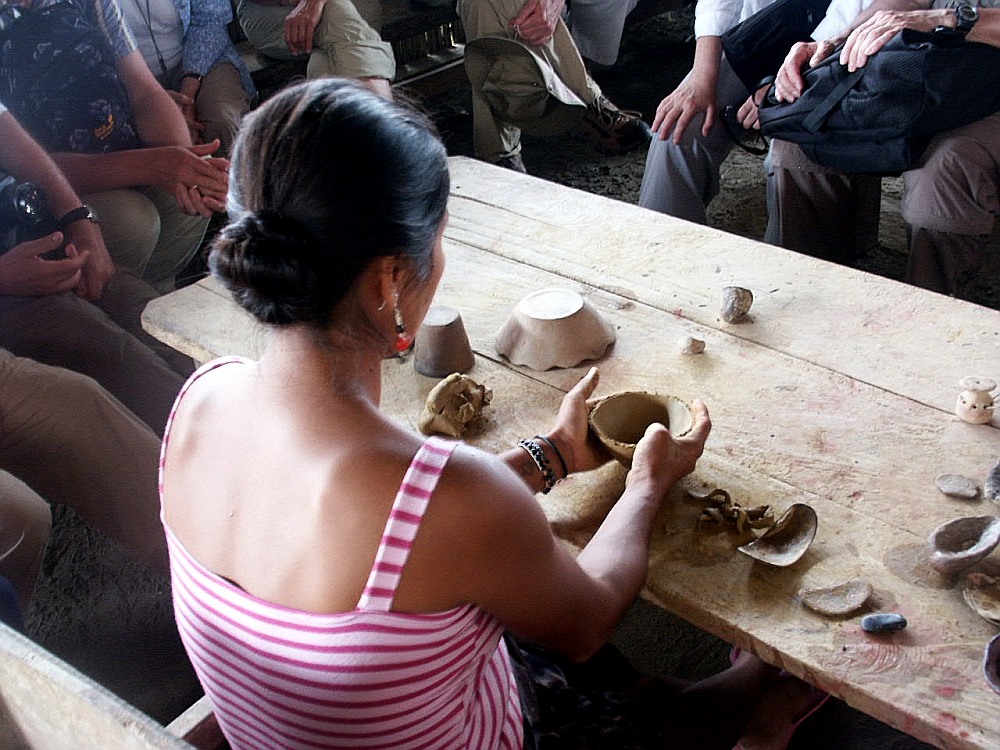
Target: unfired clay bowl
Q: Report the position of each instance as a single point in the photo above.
(961, 543)
(620, 420)
(786, 541)
(554, 328)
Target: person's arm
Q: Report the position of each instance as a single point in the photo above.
(301, 23)
(158, 121)
(536, 22)
(694, 95)
(26, 160)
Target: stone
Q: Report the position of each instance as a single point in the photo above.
(883, 622)
(956, 485)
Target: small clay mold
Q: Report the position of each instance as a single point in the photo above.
(620, 420)
(554, 328)
(883, 622)
(982, 593)
(956, 485)
(961, 543)
(736, 302)
(838, 600)
(786, 541)
(441, 346)
(991, 664)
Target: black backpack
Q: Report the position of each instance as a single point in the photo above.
(881, 117)
(59, 78)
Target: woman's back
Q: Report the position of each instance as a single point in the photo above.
(366, 677)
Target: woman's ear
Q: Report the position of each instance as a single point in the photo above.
(386, 279)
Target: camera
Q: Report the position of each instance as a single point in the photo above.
(24, 214)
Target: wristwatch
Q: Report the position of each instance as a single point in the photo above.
(77, 214)
(965, 18)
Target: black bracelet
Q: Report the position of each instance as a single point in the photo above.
(552, 445)
(538, 456)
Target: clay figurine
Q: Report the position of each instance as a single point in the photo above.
(975, 403)
(454, 405)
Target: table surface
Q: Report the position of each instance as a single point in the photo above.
(838, 391)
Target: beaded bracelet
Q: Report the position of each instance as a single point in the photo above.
(538, 456)
(552, 445)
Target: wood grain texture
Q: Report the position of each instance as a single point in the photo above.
(837, 392)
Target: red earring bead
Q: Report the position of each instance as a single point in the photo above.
(403, 342)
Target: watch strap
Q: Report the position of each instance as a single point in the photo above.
(77, 214)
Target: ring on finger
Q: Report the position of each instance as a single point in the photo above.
(194, 187)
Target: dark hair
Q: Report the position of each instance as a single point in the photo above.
(326, 177)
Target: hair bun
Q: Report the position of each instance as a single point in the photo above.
(269, 263)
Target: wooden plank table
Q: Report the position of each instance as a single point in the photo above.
(838, 391)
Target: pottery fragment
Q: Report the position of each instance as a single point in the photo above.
(991, 487)
(956, 485)
(786, 541)
(962, 542)
(453, 406)
(991, 664)
(840, 599)
(620, 420)
(736, 303)
(883, 622)
(982, 593)
(690, 345)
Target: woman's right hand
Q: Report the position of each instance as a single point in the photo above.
(662, 459)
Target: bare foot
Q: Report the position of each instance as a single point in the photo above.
(778, 712)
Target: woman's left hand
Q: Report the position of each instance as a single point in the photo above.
(571, 433)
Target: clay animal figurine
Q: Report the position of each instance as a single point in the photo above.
(975, 403)
(453, 405)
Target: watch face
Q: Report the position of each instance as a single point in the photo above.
(967, 16)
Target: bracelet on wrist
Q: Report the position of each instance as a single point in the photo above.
(552, 445)
(537, 455)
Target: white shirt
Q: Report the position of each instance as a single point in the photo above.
(715, 17)
(839, 16)
(159, 19)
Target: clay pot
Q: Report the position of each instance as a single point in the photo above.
(620, 420)
(789, 538)
(961, 543)
(441, 346)
(554, 328)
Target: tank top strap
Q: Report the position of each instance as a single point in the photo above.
(404, 521)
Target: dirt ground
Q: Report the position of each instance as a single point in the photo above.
(113, 621)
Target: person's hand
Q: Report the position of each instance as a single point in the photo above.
(662, 459)
(24, 274)
(300, 24)
(184, 99)
(536, 23)
(789, 83)
(680, 107)
(571, 433)
(748, 112)
(873, 34)
(98, 267)
(198, 181)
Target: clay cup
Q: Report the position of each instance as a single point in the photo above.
(441, 346)
(620, 420)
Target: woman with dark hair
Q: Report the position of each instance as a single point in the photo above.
(340, 581)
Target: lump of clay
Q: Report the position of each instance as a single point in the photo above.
(955, 485)
(725, 511)
(982, 593)
(620, 420)
(961, 543)
(786, 541)
(690, 345)
(454, 405)
(736, 303)
(841, 599)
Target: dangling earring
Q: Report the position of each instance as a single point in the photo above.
(403, 340)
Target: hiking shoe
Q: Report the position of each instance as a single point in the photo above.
(513, 162)
(613, 131)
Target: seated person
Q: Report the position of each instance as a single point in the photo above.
(282, 482)
(951, 198)
(46, 312)
(186, 45)
(597, 26)
(124, 145)
(64, 438)
(537, 25)
(339, 37)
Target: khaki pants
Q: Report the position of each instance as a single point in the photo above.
(346, 42)
(65, 438)
(220, 104)
(493, 140)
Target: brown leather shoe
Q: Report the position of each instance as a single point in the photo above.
(613, 131)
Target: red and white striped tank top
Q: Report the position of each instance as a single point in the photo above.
(372, 678)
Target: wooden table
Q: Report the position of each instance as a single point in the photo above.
(838, 391)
